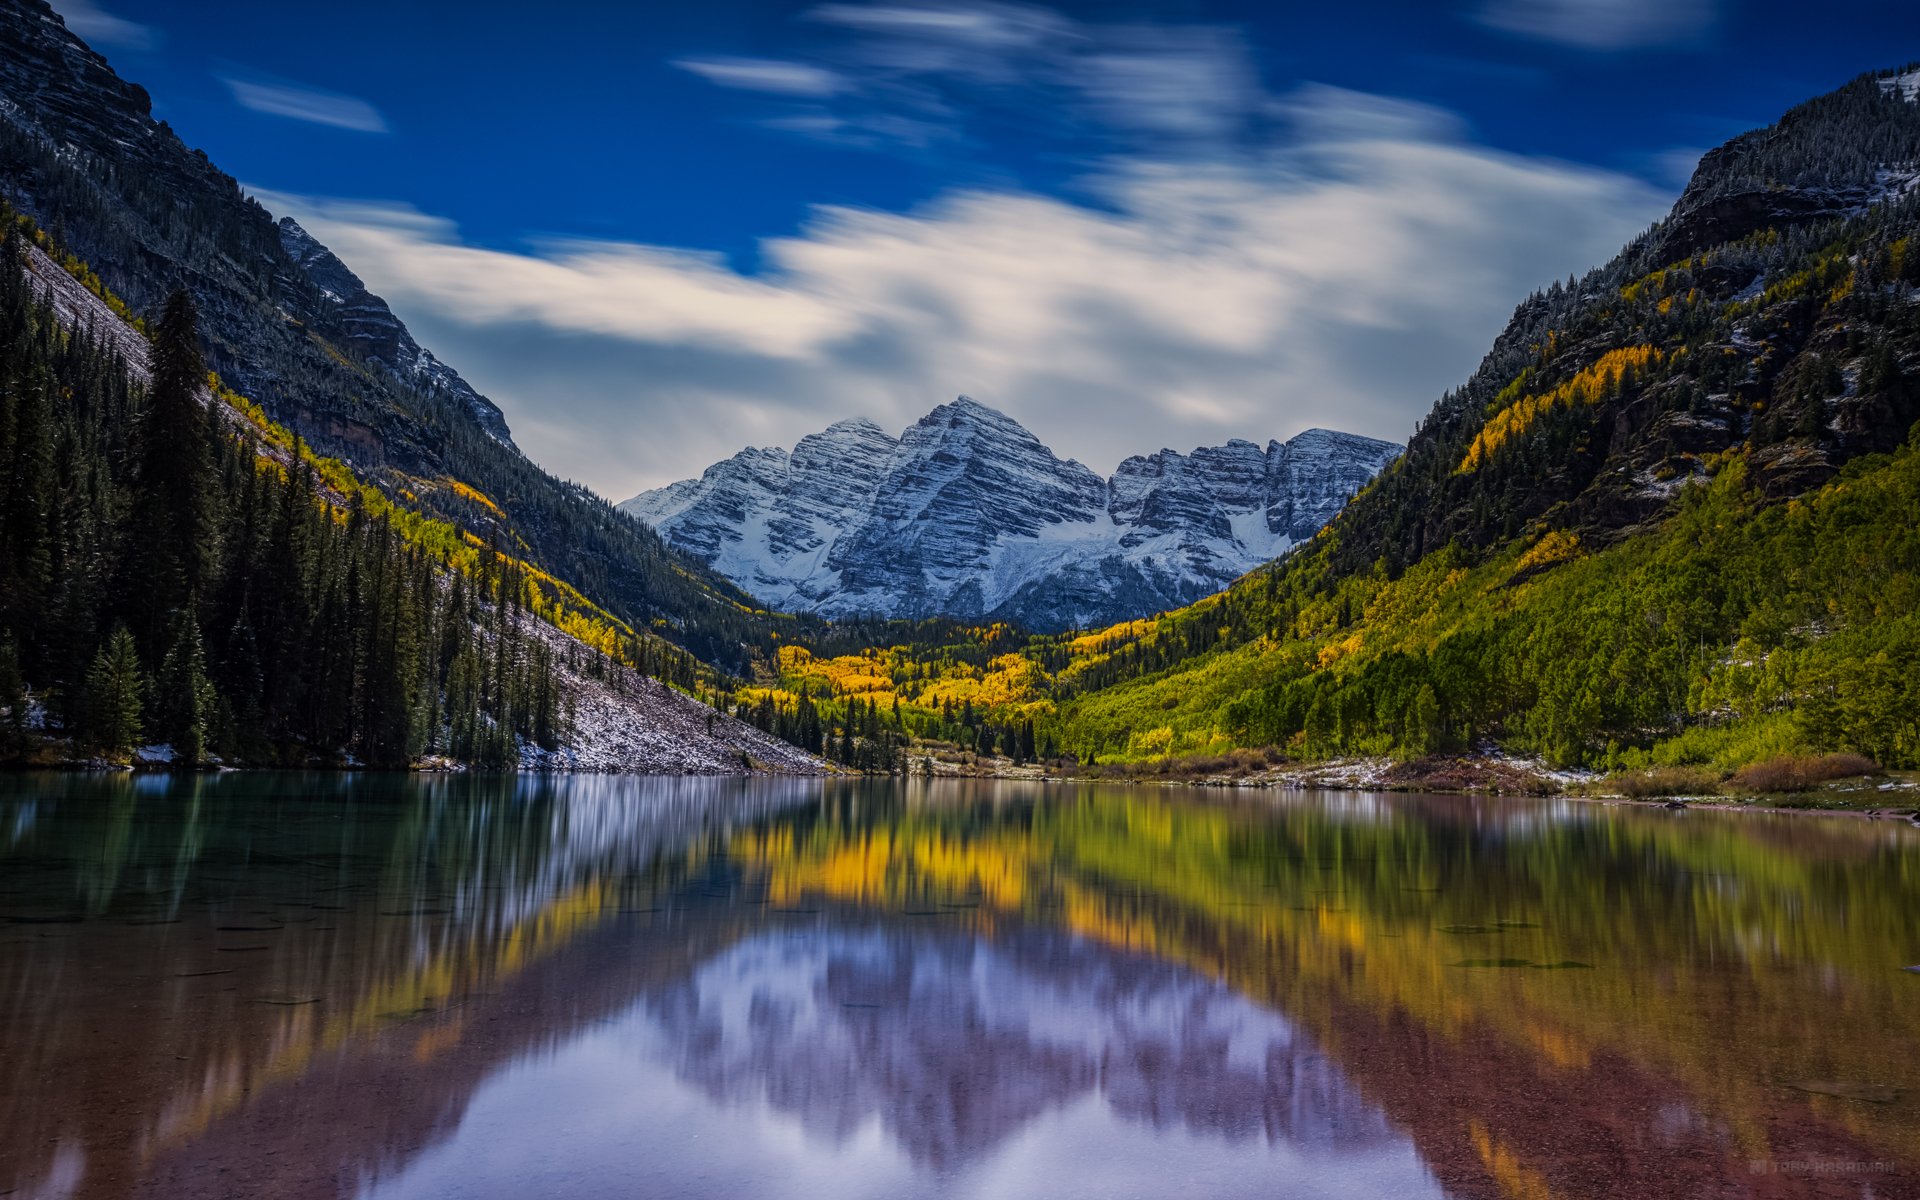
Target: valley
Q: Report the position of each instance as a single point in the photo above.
(1662, 526)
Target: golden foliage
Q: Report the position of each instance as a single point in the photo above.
(1586, 387)
(1102, 640)
(1556, 545)
(475, 495)
(863, 674)
(1333, 652)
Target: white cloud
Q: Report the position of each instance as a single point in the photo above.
(1320, 113)
(765, 75)
(306, 104)
(1676, 164)
(1190, 82)
(97, 27)
(1604, 25)
(1152, 81)
(608, 289)
(983, 26)
(1345, 281)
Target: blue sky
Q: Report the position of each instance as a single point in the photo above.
(655, 232)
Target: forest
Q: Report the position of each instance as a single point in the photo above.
(168, 579)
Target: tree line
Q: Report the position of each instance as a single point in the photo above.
(166, 579)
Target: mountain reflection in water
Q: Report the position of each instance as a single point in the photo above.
(336, 985)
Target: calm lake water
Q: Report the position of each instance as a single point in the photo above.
(375, 986)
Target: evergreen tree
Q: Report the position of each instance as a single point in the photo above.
(184, 701)
(114, 688)
(174, 530)
(13, 698)
(274, 631)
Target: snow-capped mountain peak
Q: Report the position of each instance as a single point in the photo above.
(968, 514)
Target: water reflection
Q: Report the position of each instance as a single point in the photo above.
(360, 985)
(952, 1045)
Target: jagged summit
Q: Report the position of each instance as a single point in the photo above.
(83, 151)
(967, 513)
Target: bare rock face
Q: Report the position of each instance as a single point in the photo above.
(371, 329)
(968, 514)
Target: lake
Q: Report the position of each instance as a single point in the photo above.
(392, 987)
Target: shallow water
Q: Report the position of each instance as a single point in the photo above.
(377, 986)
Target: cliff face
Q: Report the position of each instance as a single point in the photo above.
(968, 514)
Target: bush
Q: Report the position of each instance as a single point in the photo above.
(1731, 746)
(1231, 763)
(1666, 781)
(1800, 773)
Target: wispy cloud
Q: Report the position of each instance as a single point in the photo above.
(766, 75)
(1195, 81)
(867, 130)
(97, 27)
(1602, 25)
(308, 104)
(982, 26)
(1344, 277)
(910, 74)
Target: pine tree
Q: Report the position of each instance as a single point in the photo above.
(114, 688)
(13, 698)
(174, 525)
(184, 700)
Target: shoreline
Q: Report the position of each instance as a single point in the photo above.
(1898, 793)
(1890, 795)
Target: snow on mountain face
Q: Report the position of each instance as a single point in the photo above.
(967, 514)
(1906, 86)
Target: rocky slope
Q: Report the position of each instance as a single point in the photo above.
(625, 723)
(967, 514)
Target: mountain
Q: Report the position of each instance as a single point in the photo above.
(245, 517)
(967, 514)
(1670, 518)
(287, 325)
(1057, 1018)
(1669, 521)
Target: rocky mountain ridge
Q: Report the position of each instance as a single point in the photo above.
(968, 514)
